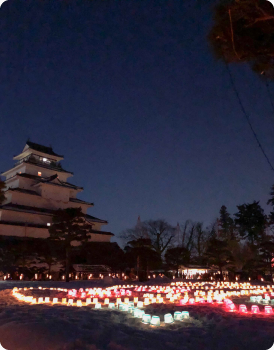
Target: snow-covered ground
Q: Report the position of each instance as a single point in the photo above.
(48, 327)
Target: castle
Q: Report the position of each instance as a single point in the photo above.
(35, 188)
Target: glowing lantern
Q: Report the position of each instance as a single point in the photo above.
(40, 300)
(146, 301)
(183, 301)
(191, 301)
(111, 306)
(140, 304)
(126, 300)
(253, 299)
(242, 308)
(185, 315)
(33, 301)
(265, 301)
(146, 319)
(47, 300)
(88, 301)
(141, 313)
(120, 306)
(168, 318)
(106, 302)
(97, 306)
(155, 321)
(153, 300)
(118, 300)
(55, 300)
(231, 307)
(177, 316)
(95, 300)
(70, 302)
(255, 309)
(79, 303)
(268, 310)
(136, 312)
(135, 300)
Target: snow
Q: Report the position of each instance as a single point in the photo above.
(50, 327)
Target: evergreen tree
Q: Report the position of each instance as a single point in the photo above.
(227, 231)
(177, 256)
(271, 202)
(251, 221)
(218, 254)
(69, 225)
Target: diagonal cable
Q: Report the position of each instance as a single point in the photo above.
(247, 116)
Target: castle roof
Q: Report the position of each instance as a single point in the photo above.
(41, 211)
(22, 190)
(42, 149)
(49, 180)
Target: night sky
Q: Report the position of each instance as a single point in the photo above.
(130, 93)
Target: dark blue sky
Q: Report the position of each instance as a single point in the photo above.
(130, 93)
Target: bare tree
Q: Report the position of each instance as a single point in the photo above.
(160, 232)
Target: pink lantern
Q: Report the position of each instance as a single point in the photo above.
(227, 302)
(255, 309)
(242, 308)
(268, 310)
(231, 307)
(183, 301)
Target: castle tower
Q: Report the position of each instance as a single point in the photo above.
(37, 186)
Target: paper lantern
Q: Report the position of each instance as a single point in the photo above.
(79, 303)
(268, 310)
(168, 318)
(146, 301)
(242, 308)
(140, 304)
(155, 321)
(135, 300)
(106, 301)
(253, 299)
(120, 306)
(185, 315)
(111, 306)
(141, 313)
(146, 319)
(97, 306)
(177, 316)
(88, 301)
(34, 301)
(126, 300)
(47, 300)
(55, 300)
(70, 302)
(136, 312)
(255, 309)
(95, 300)
(64, 300)
(191, 301)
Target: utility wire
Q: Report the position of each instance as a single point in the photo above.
(269, 95)
(247, 116)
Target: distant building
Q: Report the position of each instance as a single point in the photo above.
(35, 188)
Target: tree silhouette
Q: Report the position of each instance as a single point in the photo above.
(69, 225)
(251, 221)
(243, 31)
